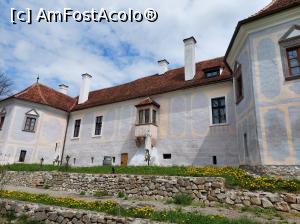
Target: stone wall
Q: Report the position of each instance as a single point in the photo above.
(204, 189)
(52, 214)
(284, 171)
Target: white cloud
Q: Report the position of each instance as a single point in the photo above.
(61, 52)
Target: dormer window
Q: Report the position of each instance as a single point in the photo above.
(212, 72)
(290, 53)
(147, 112)
(2, 118)
(30, 121)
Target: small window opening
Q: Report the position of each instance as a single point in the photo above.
(167, 156)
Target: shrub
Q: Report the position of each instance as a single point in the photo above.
(121, 195)
(182, 199)
(100, 194)
(82, 193)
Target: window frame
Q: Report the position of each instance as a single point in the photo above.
(297, 49)
(238, 83)
(31, 118)
(212, 111)
(2, 120)
(211, 70)
(167, 156)
(147, 111)
(285, 44)
(95, 126)
(22, 151)
(74, 129)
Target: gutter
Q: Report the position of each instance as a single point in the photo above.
(65, 138)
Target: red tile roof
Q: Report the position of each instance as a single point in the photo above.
(42, 94)
(146, 102)
(274, 7)
(144, 87)
(156, 84)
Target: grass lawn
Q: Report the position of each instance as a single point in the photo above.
(113, 208)
(235, 177)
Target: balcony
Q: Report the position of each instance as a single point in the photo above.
(142, 129)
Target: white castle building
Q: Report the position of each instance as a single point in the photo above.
(243, 108)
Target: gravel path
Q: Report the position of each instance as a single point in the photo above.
(160, 205)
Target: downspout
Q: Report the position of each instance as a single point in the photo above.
(65, 138)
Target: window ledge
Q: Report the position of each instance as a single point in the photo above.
(96, 136)
(75, 138)
(289, 78)
(29, 131)
(146, 124)
(218, 125)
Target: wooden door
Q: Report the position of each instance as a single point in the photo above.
(124, 159)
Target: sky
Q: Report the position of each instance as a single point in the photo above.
(113, 53)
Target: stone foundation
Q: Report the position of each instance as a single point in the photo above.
(203, 189)
(52, 214)
(283, 171)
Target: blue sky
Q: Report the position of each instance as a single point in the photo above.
(113, 53)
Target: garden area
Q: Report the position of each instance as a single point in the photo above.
(113, 208)
(235, 177)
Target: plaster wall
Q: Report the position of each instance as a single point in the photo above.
(184, 130)
(47, 140)
(274, 103)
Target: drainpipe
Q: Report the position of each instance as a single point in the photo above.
(65, 138)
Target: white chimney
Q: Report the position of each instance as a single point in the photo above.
(189, 58)
(163, 66)
(63, 89)
(85, 88)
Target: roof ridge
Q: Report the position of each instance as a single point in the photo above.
(24, 90)
(41, 94)
(57, 91)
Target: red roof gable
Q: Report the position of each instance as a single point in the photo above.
(156, 84)
(42, 94)
(147, 101)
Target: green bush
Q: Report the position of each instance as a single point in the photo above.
(100, 194)
(82, 193)
(121, 195)
(182, 199)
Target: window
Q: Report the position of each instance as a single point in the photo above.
(212, 73)
(214, 160)
(141, 116)
(147, 116)
(30, 120)
(218, 110)
(167, 156)
(154, 116)
(239, 91)
(2, 119)
(77, 128)
(22, 156)
(293, 56)
(144, 116)
(30, 124)
(290, 53)
(98, 126)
